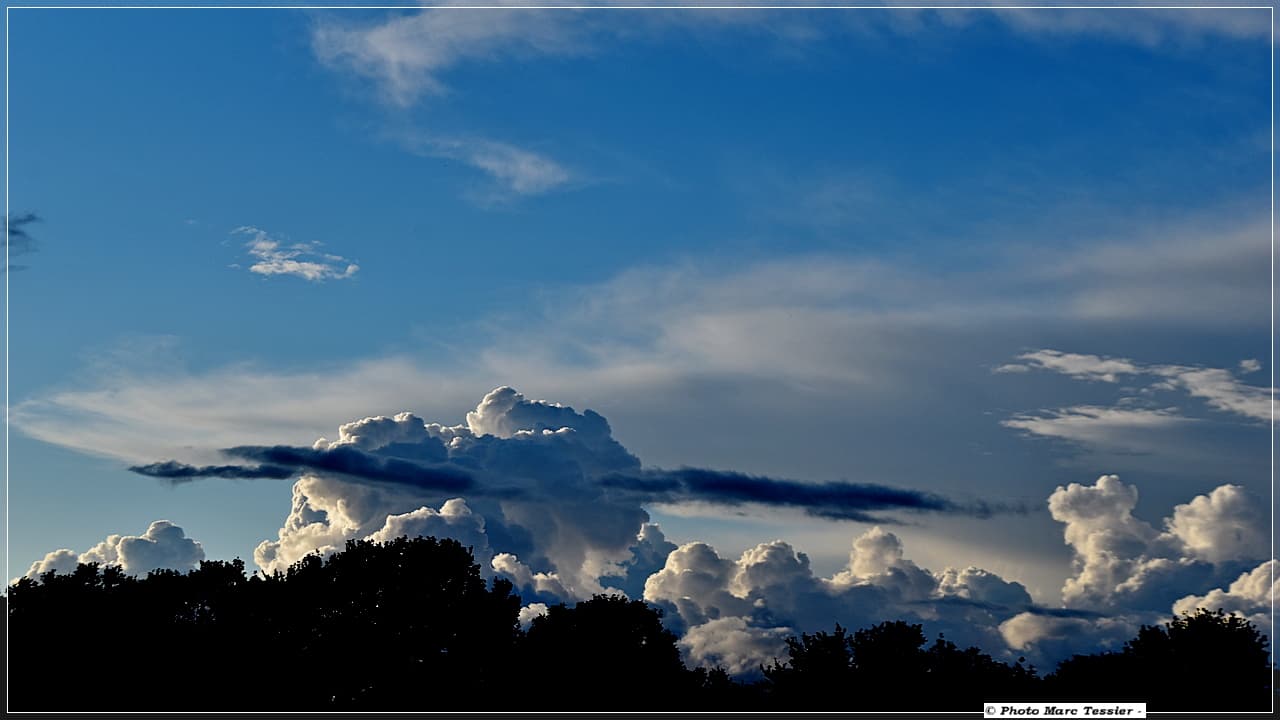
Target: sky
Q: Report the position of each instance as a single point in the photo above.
(775, 318)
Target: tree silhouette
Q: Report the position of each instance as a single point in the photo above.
(1195, 662)
(411, 624)
(606, 653)
(887, 667)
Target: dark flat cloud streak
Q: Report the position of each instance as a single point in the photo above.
(177, 472)
(830, 500)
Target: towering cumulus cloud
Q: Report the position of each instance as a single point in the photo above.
(1127, 572)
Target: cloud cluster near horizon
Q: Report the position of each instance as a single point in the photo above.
(568, 521)
(164, 546)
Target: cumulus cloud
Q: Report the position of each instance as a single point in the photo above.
(529, 612)
(1121, 561)
(61, 561)
(1052, 638)
(163, 546)
(526, 469)
(303, 260)
(1225, 525)
(1126, 573)
(734, 645)
(559, 500)
(1250, 596)
(737, 613)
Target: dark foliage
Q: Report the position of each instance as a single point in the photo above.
(411, 625)
(887, 667)
(1206, 661)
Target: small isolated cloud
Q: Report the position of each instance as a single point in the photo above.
(1084, 367)
(529, 612)
(303, 260)
(1114, 428)
(1249, 365)
(164, 546)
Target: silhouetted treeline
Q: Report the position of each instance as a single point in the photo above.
(412, 625)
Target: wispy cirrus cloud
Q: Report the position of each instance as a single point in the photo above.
(303, 260)
(1218, 387)
(405, 58)
(1109, 428)
(513, 169)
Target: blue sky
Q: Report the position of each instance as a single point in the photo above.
(839, 245)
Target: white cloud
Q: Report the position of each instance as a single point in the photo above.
(541, 521)
(515, 169)
(736, 613)
(736, 646)
(1219, 389)
(163, 546)
(1086, 367)
(1115, 428)
(529, 612)
(1224, 525)
(453, 520)
(302, 260)
(1149, 27)
(542, 584)
(61, 561)
(406, 55)
(1250, 596)
(1126, 427)
(1049, 638)
(1120, 561)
